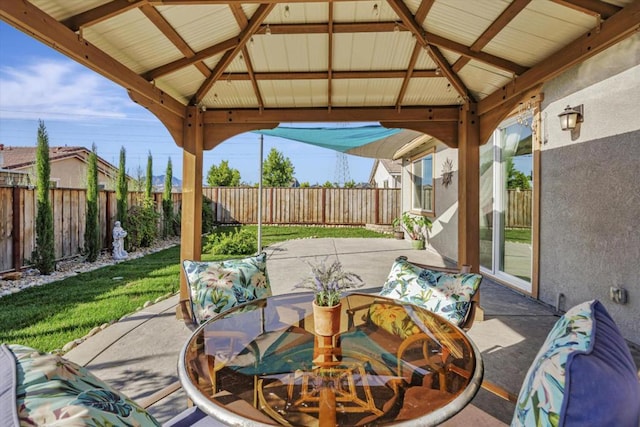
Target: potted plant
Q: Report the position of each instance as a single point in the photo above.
(328, 281)
(415, 226)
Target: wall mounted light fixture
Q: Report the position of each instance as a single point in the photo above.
(571, 116)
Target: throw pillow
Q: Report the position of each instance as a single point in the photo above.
(54, 391)
(583, 375)
(446, 294)
(218, 286)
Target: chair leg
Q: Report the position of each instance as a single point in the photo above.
(499, 391)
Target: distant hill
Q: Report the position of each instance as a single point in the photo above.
(158, 181)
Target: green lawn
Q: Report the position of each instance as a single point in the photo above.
(47, 317)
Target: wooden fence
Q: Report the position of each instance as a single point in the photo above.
(518, 209)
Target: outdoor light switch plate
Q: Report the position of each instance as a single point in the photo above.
(618, 295)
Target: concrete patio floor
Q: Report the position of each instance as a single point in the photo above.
(138, 355)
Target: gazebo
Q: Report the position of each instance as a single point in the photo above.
(212, 69)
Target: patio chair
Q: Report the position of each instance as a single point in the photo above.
(583, 375)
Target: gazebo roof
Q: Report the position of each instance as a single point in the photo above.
(385, 60)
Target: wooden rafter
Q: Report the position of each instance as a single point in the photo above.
(252, 77)
(384, 27)
(31, 20)
(244, 36)
(101, 13)
(336, 75)
(170, 33)
(613, 30)
(423, 10)
(591, 7)
(409, 73)
(409, 21)
(330, 57)
(496, 26)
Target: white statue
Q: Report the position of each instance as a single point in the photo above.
(118, 242)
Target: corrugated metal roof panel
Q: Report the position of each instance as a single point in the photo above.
(133, 40)
(63, 10)
(280, 53)
(363, 11)
(371, 51)
(293, 93)
(299, 13)
(201, 26)
(482, 79)
(365, 93)
(429, 91)
(236, 94)
(184, 82)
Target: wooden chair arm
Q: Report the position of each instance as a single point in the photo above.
(499, 391)
(159, 395)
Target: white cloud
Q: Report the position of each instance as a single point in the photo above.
(59, 90)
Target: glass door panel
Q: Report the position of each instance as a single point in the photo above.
(486, 205)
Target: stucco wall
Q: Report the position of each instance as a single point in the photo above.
(590, 200)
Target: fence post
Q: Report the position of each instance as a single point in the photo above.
(17, 228)
(376, 205)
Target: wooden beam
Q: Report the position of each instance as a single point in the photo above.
(101, 13)
(252, 77)
(618, 27)
(337, 114)
(591, 7)
(423, 10)
(31, 20)
(217, 133)
(191, 218)
(469, 187)
(323, 75)
(330, 57)
(447, 132)
(260, 14)
(507, 15)
(408, 74)
(169, 32)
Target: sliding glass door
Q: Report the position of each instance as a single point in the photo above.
(506, 193)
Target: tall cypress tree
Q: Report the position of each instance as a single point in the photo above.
(122, 189)
(149, 180)
(43, 256)
(91, 230)
(167, 204)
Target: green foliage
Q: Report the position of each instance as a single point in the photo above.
(167, 203)
(327, 184)
(277, 170)
(305, 184)
(208, 221)
(149, 178)
(122, 189)
(43, 256)
(515, 178)
(142, 225)
(350, 184)
(238, 242)
(223, 175)
(413, 225)
(91, 230)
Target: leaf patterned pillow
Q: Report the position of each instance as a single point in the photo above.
(52, 390)
(584, 374)
(445, 294)
(218, 286)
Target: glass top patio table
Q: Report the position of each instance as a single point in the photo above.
(390, 363)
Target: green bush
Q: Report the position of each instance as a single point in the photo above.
(208, 222)
(142, 225)
(43, 256)
(238, 242)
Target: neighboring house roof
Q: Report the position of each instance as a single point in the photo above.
(12, 158)
(393, 167)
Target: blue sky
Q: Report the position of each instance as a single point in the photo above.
(79, 107)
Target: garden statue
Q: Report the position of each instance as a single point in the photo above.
(118, 242)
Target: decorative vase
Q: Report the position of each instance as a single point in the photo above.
(326, 319)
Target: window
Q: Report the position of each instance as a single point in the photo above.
(422, 181)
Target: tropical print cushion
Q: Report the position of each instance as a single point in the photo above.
(446, 294)
(584, 374)
(218, 286)
(392, 318)
(54, 391)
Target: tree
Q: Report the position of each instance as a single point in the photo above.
(223, 175)
(122, 190)
(43, 256)
(149, 178)
(327, 184)
(515, 178)
(91, 230)
(167, 203)
(277, 170)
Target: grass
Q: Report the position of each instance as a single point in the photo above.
(47, 317)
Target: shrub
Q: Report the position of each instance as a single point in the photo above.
(208, 222)
(142, 225)
(240, 242)
(91, 231)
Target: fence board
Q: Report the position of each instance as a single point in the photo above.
(6, 228)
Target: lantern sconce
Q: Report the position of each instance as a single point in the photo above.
(571, 116)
